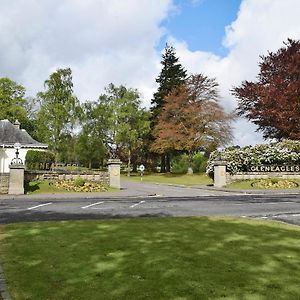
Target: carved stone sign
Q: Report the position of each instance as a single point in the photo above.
(274, 168)
(48, 166)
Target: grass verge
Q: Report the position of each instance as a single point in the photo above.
(182, 179)
(161, 258)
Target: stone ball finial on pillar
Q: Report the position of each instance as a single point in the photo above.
(220, 173)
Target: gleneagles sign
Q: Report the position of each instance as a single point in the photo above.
(273, 168)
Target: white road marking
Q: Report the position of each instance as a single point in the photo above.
(136, 204)
(37, 206)
(90, 205)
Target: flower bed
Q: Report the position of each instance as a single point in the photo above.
(274, 183)
(71, 186)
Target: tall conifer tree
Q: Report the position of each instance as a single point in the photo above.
(171, 76)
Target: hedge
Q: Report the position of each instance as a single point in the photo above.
(35, 158)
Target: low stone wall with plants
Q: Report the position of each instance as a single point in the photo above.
(4, 183)
(101, 177)
(262, 161)
(258, 175)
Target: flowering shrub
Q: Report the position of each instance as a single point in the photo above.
(70, 185)
(286, 152)
(275, 183)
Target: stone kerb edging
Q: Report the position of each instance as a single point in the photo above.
(4, 294)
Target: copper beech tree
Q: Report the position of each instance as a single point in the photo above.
(192, 118)
(273, 101)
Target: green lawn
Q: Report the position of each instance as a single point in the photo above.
(156, 258)
(42, 187)
(183, 179)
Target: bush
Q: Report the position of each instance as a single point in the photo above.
(39, 159)
(199, 163)
(240, 159)
(180, 163)
(79, 181)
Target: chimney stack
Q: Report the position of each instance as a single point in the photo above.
(17, 124)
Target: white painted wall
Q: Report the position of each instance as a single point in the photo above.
(7, 155)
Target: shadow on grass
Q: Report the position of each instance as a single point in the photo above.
(160, 258)
(30, 187)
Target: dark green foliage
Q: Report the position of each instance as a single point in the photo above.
(36, 159)
(90, 150)
(14, 105)
(199, 162)
(180, 163)
(171, 76)
(79, 181)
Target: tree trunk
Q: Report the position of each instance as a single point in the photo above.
(168, 163)
(163, 164)
(190, 169)
(129, 163)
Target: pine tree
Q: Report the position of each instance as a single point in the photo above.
(171, 76)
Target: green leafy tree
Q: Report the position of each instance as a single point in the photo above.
(171, 76)
(13, 104)
(118, 119)
(90, 150)
(59, 110)
(90, 146)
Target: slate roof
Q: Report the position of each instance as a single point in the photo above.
(10, 134)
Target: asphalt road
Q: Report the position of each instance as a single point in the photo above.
(278, 207)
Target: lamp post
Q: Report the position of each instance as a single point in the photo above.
(16, 176)
(17, 160)
(113, 151)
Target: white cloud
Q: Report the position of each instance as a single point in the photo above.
(115, 41)
(102, 41)
(261, 26)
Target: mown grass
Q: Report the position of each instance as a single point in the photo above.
(169, 178)
(161, 258)
(42, 187)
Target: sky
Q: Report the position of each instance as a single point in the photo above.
(122, 42)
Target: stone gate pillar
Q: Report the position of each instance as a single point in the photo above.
(16, 179)
(220, 173)
(114, 173)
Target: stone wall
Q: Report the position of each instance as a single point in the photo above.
(102, 177)
(260, 175)
(4, 183)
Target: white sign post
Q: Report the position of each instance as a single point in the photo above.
(142, 169)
